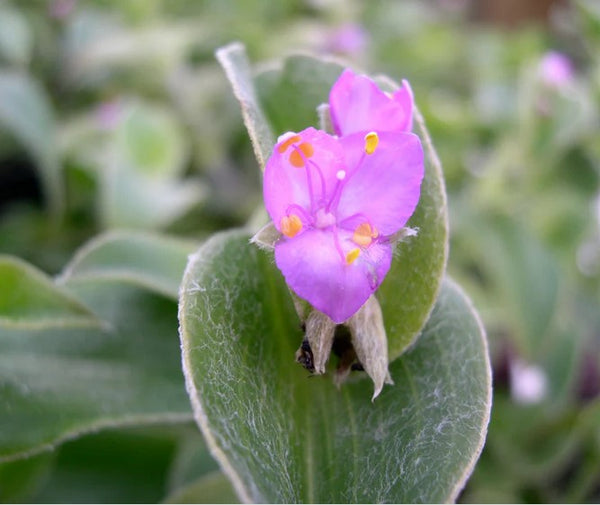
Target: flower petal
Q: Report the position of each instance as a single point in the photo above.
(316, 157)
(357, 104)
(313, 268)
(385, 186)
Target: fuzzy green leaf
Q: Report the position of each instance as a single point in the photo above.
(58, 381)
(30, 299)
(282, 437)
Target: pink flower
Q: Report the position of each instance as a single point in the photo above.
(109, 113)
(61, 9)
(556, 69)
(350, 38)
(357, 104)
(337, 202)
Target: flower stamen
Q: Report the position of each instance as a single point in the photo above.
(364, 234)
(371, 142)
(352, 255)
(287, 142)
(290, 225)
(300, 153)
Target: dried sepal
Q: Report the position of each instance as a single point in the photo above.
(302, 307)
(403, 233)
(320, 331)
(370, 343)
(266, 237)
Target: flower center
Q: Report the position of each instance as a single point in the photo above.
(322, 213)
(324, 219)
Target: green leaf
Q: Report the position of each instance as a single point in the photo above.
(191, 461)
(126, 465)
(282, 437)
(151, 140)
(57, 383)
(522, 272)
(21, 480)
(290, 96)
(16, 41)
(234, 61)
(154, 261)
(411, 287)
(130, 200)
(211, 488)
(29, 299)
(26, 112)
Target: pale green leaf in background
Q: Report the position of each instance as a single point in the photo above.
(129, 200)
(152, 260)
(282, 437)
(26, 113)
(152, 141)
(29, 300)
(57, 383)
(16, 41)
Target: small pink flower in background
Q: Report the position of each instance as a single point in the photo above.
(61, 9)
(336, 202)
(109, 113)
(528, 383)
(349, 39)
(357, 104)
(556, 69)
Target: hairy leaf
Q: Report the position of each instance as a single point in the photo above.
(59, 381)
(282, 437)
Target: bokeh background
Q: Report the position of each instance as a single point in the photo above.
(115, 114)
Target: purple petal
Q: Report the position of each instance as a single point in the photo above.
(285, 184)
(385, 186)
(314, 270)
(556, 69)
(404, 99)
(357, 104)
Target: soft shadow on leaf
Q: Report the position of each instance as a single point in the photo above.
(281, 437)
(212, 488)
(127, 465)
(21, 480)
(26, 112)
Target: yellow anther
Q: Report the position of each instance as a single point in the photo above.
(288, 142)
(364, 234)
(296, 159)
(352, 255)
(371, 141)
(290, 225)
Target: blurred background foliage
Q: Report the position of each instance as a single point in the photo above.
(116, 115)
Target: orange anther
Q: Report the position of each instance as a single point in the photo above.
(296, 159)
(364, 235)
(290, 225)
(288, 142)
